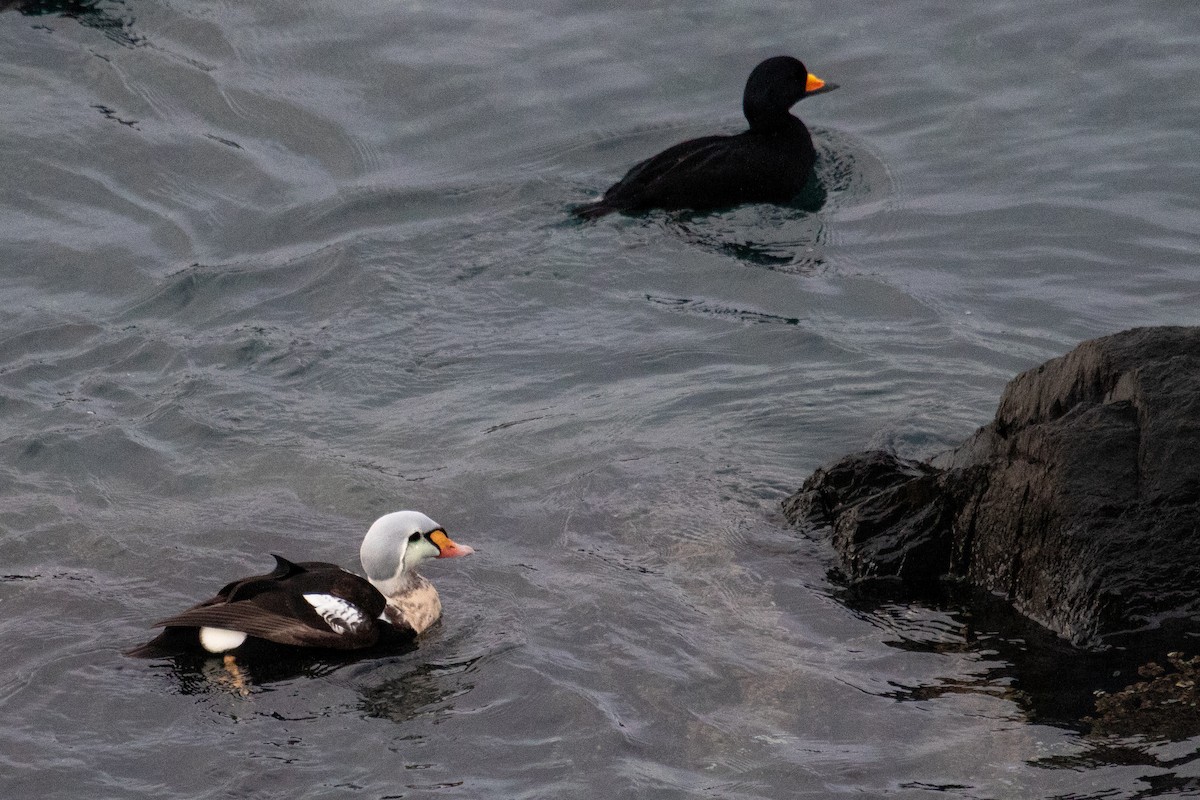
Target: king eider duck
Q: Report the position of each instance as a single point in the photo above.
(769, 163)
(312, 604)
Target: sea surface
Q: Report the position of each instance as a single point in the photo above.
(272, 268)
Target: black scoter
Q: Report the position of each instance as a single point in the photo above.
(769, 163)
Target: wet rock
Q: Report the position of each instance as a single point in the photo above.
(1164, 706)
(888, 515)
(1079, 502)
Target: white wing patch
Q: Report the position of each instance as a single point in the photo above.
(340, 615)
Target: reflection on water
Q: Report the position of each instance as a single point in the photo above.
(693, 306)
(414, 692)
(1051, 682)
(1132, 752)
(398, 684)
(108, 16)
(246, 673)
(787, 239)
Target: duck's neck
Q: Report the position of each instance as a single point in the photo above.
(771, 122)
(411, 601)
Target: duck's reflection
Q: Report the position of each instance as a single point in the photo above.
(396, 684)
(421, 690)
(255, 669)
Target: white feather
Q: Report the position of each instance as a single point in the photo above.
(340, 615)
(220, 640)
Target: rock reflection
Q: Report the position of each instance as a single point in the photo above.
(1133, 753)
(106, 16)
(1120, 693)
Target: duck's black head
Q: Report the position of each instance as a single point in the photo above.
(775, 86)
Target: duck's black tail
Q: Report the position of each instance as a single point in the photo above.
(172, 641)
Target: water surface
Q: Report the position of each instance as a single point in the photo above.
(269, 270)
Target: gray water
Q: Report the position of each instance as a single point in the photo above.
(271, 269)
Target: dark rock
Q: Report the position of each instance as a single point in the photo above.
(888, 515)
(1080, 502)
(1165, 705)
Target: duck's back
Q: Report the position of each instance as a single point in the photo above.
(306, 604)
(715, 172)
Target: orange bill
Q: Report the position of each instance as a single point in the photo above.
(815, 85)
(446, 546)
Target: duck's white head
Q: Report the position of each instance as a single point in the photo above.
(396, 543)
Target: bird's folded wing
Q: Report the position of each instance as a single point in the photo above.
(264, 624)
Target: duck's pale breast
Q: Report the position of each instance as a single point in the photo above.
(417, 607)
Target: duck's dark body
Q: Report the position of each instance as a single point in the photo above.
(715, 172)
(271, 608)
(769, 163)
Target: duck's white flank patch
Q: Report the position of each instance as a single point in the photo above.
(340, 615)
(220, 640)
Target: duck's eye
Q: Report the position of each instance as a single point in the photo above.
(414, 537)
